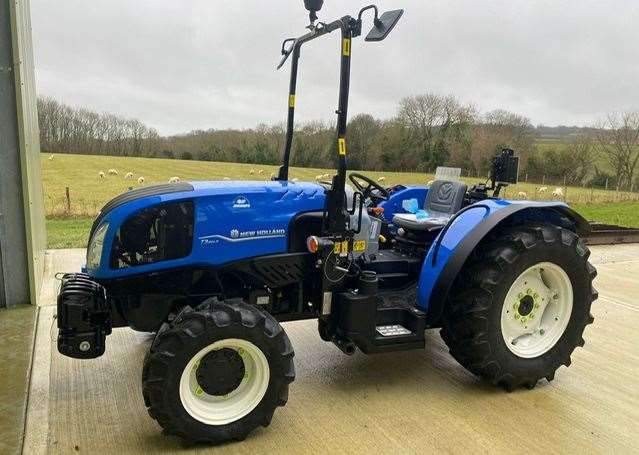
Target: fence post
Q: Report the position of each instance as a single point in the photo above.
(66, 190)
(543, 179)
(606, 184)
(526, 177)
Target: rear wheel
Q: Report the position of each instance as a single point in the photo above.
(218, 372)
(520, 305)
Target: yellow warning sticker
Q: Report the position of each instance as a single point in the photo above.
(341, 142)
(341, 248)
(291, 101)
(346, 47)
(359, 246)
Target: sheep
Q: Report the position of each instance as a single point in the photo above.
(558, 193)
(319, 177)
(430, 182)
(295, 180)
(112, 172)
(381, 179)
(522, 195)
(543, 189)
(141, 180)
(226, 178)
(252, 172)
(261, 172)
(174, 180)
(50, 157)
(101, 174)
(128, 176)
(326, 176)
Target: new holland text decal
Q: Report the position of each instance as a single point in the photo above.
(235, 235)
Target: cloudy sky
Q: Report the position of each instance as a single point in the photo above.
(189, 64)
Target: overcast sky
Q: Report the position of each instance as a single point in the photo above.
(180, 65)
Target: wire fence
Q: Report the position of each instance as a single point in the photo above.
(77, 202)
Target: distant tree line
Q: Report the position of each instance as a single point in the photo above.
(427, 131)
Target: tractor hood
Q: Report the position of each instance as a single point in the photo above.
(212, 222)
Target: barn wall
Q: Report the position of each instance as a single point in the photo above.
(22, 227)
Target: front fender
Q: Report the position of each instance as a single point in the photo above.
(457, 241)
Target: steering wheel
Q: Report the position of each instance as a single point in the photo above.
(372, 190)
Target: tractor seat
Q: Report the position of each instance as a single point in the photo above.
(444, 199)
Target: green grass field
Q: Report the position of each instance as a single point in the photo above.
(68, 221)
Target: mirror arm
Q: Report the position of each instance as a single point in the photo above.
(286, 52)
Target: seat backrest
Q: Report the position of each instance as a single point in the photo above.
(445, 197)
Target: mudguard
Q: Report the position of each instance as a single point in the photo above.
(463, 233)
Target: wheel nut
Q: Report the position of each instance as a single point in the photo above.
(85, 346)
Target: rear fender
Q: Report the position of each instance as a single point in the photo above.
(464, 232)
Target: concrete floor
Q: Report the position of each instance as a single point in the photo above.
(17, 326)
(412, 402)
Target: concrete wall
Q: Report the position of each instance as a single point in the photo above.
(22, 228)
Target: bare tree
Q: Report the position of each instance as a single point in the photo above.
(497, 129)
(618, 140)
(434, 122)
(583, 153)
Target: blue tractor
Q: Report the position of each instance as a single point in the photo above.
(214, 268)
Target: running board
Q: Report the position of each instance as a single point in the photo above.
(378, 324)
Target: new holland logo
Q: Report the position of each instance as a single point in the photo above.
(235, 235)
(241, 202)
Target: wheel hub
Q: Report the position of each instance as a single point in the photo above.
(526, 305)
(536, 310)
(220, 372)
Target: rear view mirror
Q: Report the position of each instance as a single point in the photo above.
(384, 25)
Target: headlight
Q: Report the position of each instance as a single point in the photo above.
(94, 252)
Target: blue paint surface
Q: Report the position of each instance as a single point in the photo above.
(233, 221)
(463, 226)
(240, 220)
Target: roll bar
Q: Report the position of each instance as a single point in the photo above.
(291, 48)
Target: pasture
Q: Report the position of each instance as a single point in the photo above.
(68, 218)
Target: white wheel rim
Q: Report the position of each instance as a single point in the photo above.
(222, 410)
(548, 289)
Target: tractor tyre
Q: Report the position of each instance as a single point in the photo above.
(218, 372)
(520, 305)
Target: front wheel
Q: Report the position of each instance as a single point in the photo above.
(218, 372)
(520, 305)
